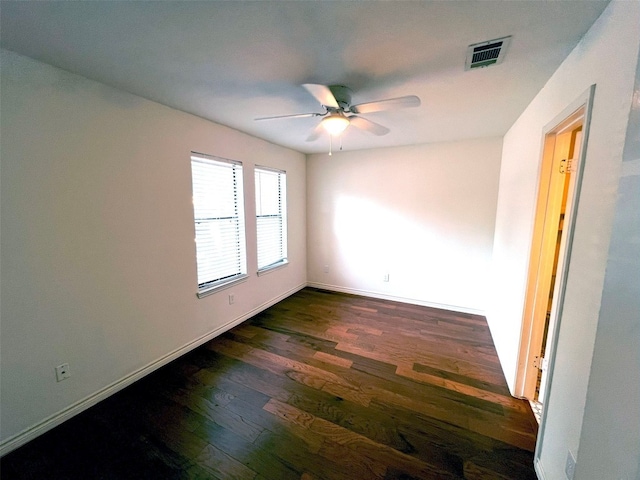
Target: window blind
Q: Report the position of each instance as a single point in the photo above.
(271, 218)
(219, 221)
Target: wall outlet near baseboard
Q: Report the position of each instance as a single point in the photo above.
(386, 277)
(232, 299)
(62, 372)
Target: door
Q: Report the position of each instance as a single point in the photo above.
(557, 190)
(567, 167)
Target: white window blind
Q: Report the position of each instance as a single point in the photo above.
(219, 220)
(271, 217)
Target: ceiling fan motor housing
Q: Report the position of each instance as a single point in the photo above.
(342, 95)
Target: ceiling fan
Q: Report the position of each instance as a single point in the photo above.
(339, 114)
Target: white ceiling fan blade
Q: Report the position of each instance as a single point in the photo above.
(315, 134)
(368, 125)
(295, 115)
(323, 94)
(392, 103)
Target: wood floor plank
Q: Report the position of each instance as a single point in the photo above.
(218, 414)
(321, 386)
(328, 358)
(372, 450)
(222, 465)
(490, 396)
(245, 452)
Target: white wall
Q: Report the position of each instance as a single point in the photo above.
(610, 436)
(98, 252)
(423, 214)
(607, 57)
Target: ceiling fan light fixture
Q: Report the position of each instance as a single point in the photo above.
(335, 123)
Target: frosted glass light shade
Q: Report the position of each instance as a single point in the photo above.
(335, 123)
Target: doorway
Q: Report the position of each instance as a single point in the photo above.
(564, 142)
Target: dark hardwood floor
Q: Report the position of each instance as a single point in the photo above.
(320, 386)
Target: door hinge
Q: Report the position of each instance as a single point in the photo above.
(567, 166)
(540, 363)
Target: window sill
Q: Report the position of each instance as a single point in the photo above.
(205, 292)
(272, 267)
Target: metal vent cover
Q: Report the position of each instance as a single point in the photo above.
(487, 53)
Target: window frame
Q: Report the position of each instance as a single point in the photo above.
(282, 215)
(238, 218)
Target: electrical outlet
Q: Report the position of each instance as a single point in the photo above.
(570, 467)
(232, 299)
(62, 372)
(326, 269)
(386, 277)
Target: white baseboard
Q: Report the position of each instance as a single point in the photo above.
(52, 421)
(383, 296)
(537, 465)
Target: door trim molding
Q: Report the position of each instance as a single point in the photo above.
(585, 99)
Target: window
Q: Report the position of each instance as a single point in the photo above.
(218, 211)
(271, 217)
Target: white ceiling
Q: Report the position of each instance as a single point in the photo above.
(233, 61)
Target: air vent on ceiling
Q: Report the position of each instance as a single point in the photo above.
(488, 53)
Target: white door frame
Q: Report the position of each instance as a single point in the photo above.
(530, 338)
(586, 100)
